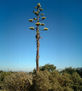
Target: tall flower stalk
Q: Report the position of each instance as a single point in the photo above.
(37, 20)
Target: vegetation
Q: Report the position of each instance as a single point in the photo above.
(37, 21)
(48, 79)
(19, 81)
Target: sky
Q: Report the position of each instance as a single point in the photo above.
(61, 45)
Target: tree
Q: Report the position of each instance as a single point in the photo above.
(39, 17)
(48, 67)
(69, 70)
(79, 71)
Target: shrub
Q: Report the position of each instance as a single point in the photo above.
(3, 75)
(68, 89)
(19, 81)
(77, 82)
(41, 81)
(48, 67)
(79, 71)
(65, 80)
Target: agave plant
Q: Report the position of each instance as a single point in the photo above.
(39, 17)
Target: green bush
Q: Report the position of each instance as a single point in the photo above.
(41, 81)
(48, 79)
(3, 75)
(19, 81)
(48, 67)
(77, 82)
(68, 89)
(69, 70)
